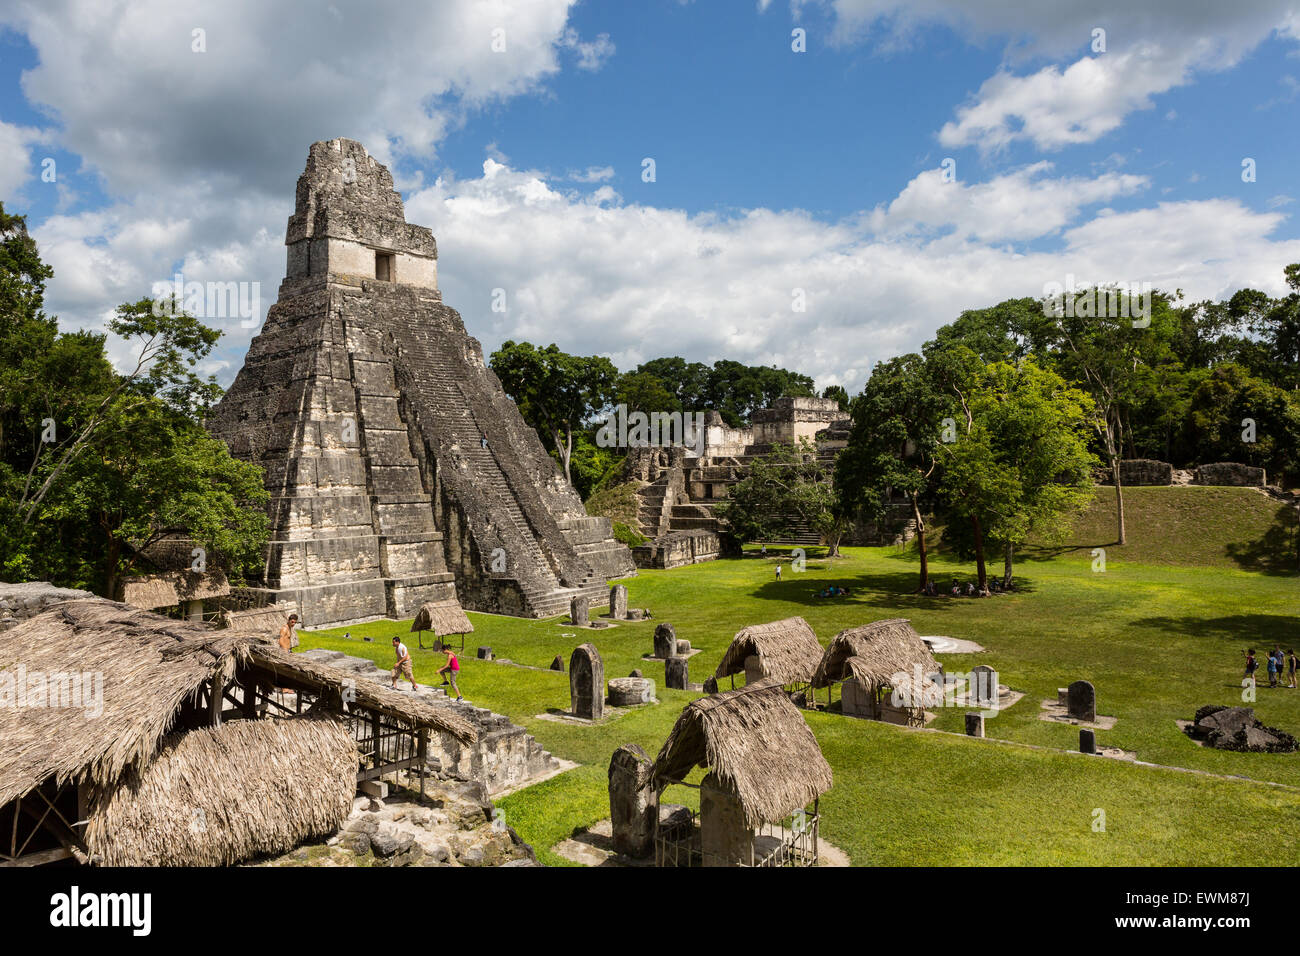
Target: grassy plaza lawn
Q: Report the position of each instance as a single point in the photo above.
(1158, 640)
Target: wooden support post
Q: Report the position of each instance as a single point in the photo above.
(215, 700)
(374, 731)
(250, 698)
(422, 753)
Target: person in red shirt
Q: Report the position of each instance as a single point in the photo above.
(450, 670)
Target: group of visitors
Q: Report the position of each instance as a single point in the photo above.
(403, 668)
(833, 591)
(970, 589)
(1279, 662)
(450, 671)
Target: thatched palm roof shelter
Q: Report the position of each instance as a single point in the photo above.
(873, 654)
(443, 618)
(219, 795)
(150, 666)
(264, 620)
(757, 744)
(787, 650)
(113, 681)
(171, 588)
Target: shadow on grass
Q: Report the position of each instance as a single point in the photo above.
(1045, 552)
(1275, 552)
(895, 589)
(1248, 630)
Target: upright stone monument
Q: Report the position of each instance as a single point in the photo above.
(1081, 701)
(677, 674)
(399, 470)
(1087, 741)
(665, 641)
(974, 724)
(983, 685)
(587, 683)
(618, 602)
(579, 611)
(633, 801)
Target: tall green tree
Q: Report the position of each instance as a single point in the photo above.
(788, 487)
(1104, 350)
(839, 394)
(557, 393)
(1020, 464)
(152, 472)
(893, 448)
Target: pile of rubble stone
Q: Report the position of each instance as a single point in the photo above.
(1235, 728)
(453, 826)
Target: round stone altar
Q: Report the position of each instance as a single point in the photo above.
(626, 691)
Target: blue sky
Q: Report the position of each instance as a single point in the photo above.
(775, 171)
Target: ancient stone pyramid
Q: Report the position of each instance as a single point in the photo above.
(399, 470)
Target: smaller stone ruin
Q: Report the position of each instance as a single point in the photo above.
(1231, 473)
(1235, 728)
(1145, 471)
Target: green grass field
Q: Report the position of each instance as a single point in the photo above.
(1158, 640)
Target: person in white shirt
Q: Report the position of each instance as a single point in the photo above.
(403, 666)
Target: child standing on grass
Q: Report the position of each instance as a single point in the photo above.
(450, 670)
(1291, 663)
(1252, 665)
(1272, 670)
(778, 570)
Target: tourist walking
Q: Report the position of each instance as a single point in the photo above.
(1272, 670)
(403, 666)
(288, 639)
(778, 570)
(450, 670)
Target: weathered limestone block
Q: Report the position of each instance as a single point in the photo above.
(724, 838)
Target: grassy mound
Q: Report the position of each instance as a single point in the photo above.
(1188, 526)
